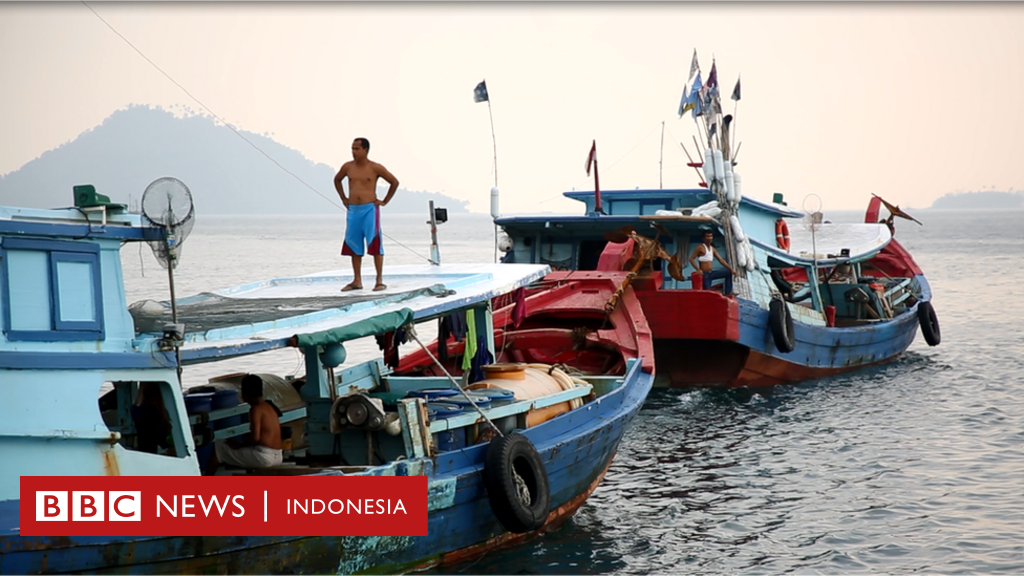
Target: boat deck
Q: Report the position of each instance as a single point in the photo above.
(265, 315)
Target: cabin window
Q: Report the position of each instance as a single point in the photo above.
(625, 207)
(146, 416)
(51, 290)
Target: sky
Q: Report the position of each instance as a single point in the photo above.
(908, 101)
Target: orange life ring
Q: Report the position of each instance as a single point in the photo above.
(782, 234)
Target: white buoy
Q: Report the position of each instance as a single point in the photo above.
(737, 231)
(719, 166)
(737, 185)
(709, 164)
(494, 202)
(730, 189)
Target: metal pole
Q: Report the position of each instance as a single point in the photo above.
(661, 156)
(435, 253)
(494, 140)
(172, 257)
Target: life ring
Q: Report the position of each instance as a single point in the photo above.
(781, 323)
(516, 483)
(929, 323)
(782, 234)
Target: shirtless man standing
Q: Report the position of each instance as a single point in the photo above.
(363, 222)
(262, 445)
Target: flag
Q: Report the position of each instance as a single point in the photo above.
(694, 67)
(713, 77)
(736, 90)
(592, 157)
(480, 92)
(709, 98)
(691, 101)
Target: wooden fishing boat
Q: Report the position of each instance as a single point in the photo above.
(69, 333)
(812, 298)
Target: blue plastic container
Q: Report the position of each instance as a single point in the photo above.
(432, 394)
(444, 410)
(447, 439)
(481, 400)
(201, 402)
(498, 396)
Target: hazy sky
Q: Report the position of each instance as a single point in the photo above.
(910, 101)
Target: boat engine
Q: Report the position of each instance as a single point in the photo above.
(362, 412)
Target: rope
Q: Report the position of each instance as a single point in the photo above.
(233, 129)
(410, 330)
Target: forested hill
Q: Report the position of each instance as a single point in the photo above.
(137, 145)
(980, 200)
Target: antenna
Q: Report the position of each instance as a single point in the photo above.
(167, 203)
(813, 222)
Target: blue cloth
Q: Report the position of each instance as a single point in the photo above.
(362, 230)
(715, 275)
(482, 358)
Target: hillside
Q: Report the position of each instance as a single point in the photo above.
(987, 200)
(137, 145)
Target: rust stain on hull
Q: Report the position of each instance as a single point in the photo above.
(110, 466)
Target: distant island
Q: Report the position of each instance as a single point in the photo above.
(985, 200)
(135, 146)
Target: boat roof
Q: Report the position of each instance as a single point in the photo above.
(829, 240)
(779, 210)
(266, 315)
(102, 222)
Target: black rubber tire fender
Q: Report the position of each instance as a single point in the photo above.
(781, 323)
(929, 323)
(516, 483)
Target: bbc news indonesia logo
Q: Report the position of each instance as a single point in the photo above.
(224, 506)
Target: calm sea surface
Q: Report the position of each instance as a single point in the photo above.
(913, 467)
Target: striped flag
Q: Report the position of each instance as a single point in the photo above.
(592, 157)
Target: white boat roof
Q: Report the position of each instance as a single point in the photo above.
(427, 290)
(831, 238)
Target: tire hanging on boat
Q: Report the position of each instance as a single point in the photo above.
(516, 483)
(929, 323)
(781, 323)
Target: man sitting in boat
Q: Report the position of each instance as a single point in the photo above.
(705, 254)
(262, 445)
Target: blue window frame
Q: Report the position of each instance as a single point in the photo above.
(51, 290)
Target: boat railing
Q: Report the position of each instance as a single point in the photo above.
(515, 409)
(200, 421)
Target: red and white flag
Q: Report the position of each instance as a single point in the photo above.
(592, 157)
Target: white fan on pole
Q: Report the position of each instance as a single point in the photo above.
(167, 203)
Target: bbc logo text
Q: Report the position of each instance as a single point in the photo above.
(89, 506)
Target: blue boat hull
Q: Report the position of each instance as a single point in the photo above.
(576, 447)
(752, 358)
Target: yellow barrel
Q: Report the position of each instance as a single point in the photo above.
(527, 383)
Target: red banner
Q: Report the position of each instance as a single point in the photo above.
(224, 506)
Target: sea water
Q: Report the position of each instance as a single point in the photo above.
(916, 466)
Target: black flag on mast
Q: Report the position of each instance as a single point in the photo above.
(480, 92)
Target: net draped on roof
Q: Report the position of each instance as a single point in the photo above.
(209, 311)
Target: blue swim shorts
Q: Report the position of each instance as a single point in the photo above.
(362, 229)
